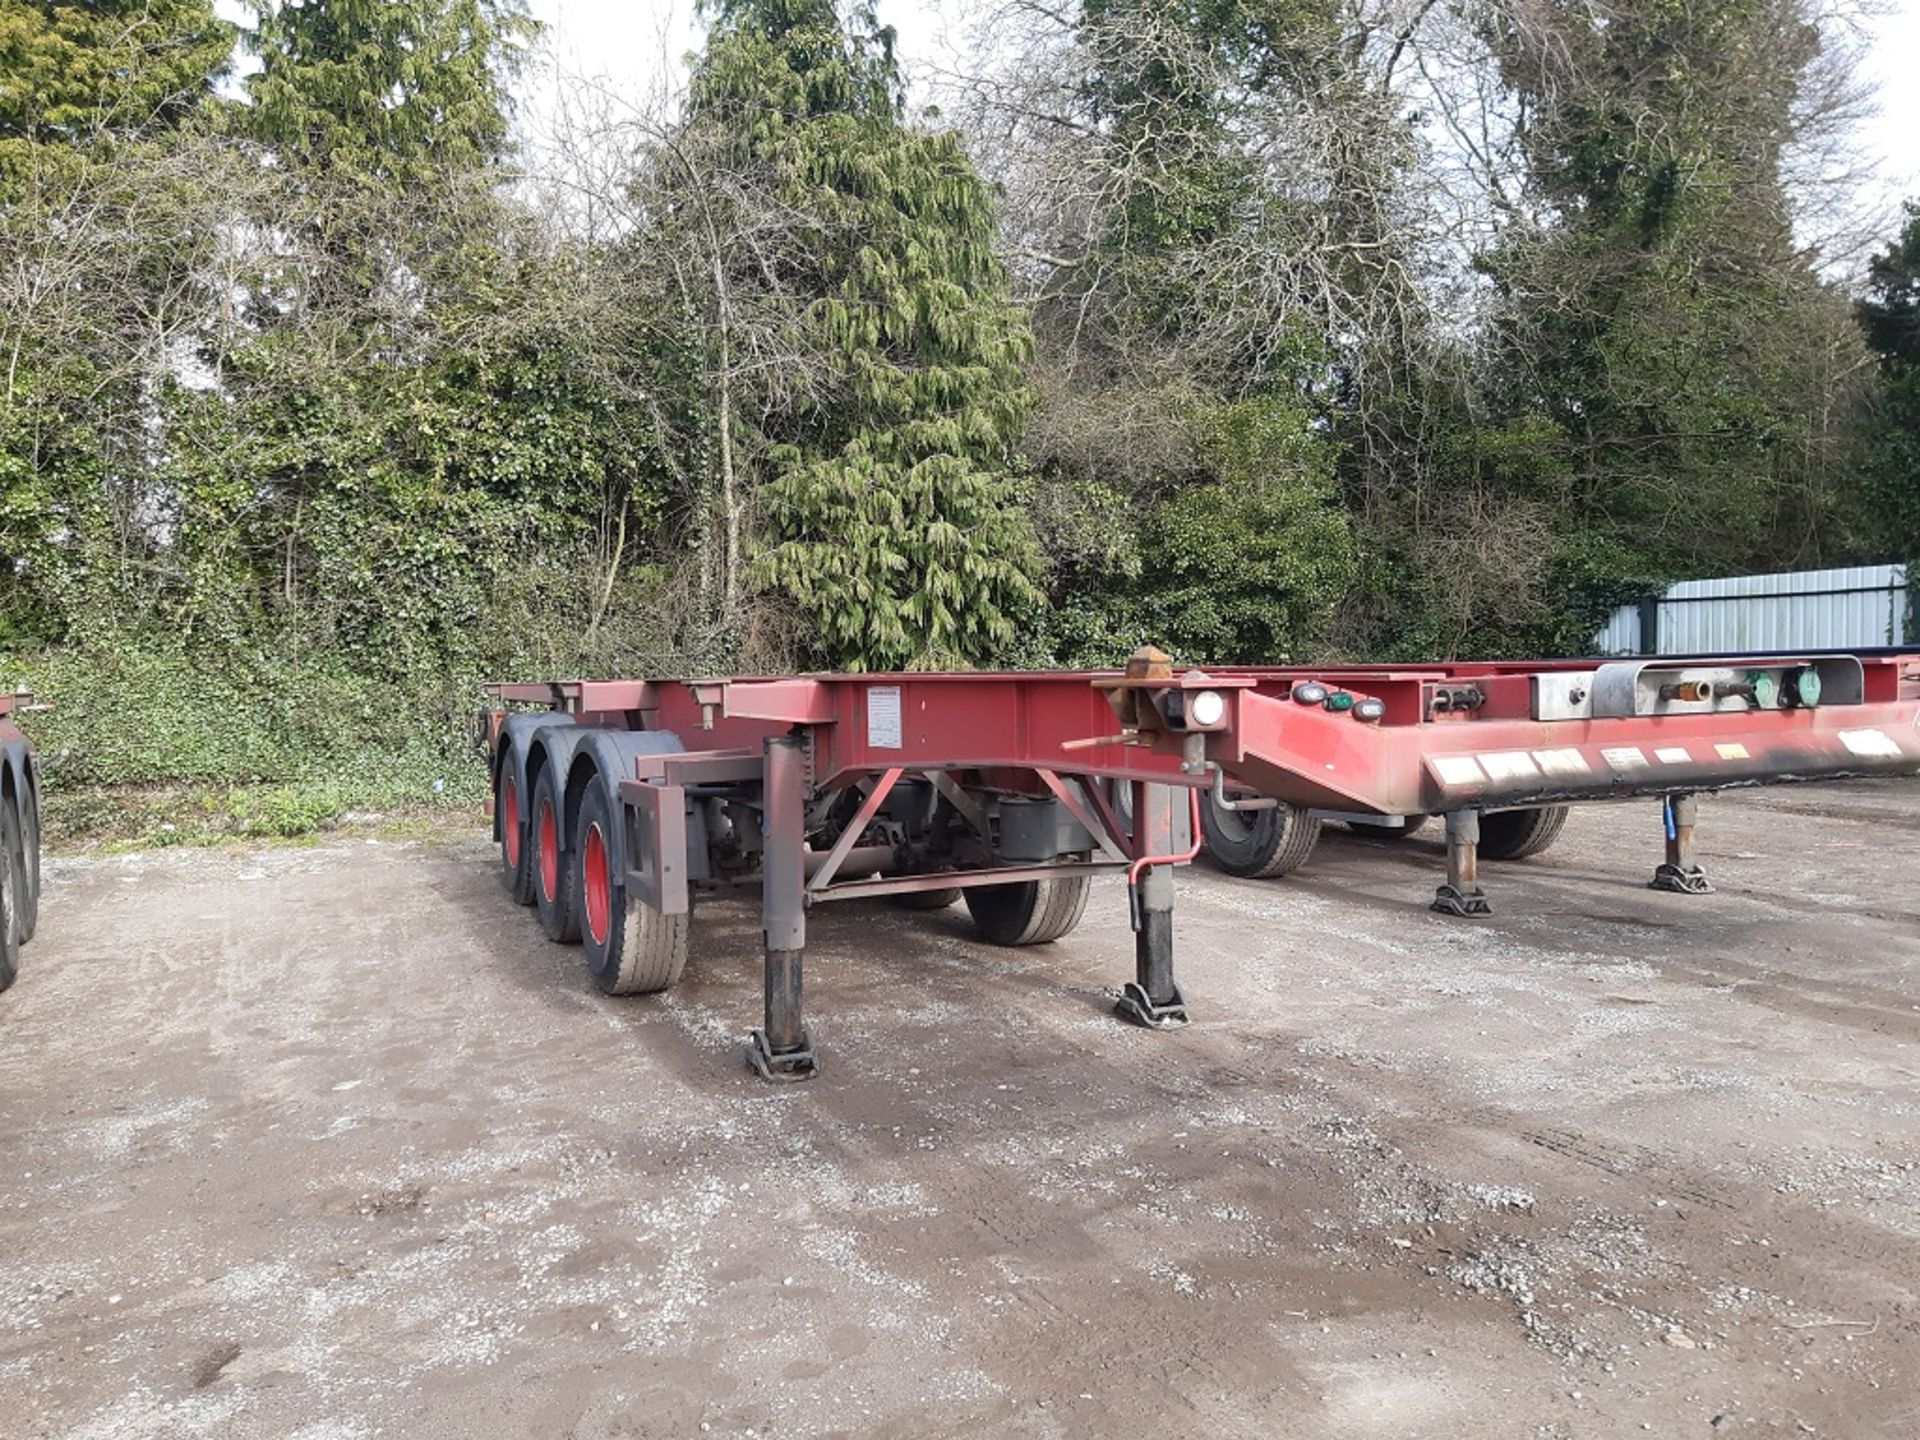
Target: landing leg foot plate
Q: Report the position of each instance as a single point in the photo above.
(1136, 1005)
(1681, 881)
(1451, 900)
(787, 1068)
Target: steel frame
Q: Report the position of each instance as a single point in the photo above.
(1456, 739)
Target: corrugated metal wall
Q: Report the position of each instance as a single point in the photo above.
(1851, 609)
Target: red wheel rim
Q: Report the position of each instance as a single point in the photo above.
(549, 852)
(510, 825)
(593, 866)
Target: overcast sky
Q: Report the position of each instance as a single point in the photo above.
(633, 46)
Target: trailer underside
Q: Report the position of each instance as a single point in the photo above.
(616, 801)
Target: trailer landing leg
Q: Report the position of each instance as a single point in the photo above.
(1152, 998)
(1462, 895)
(782, 1050)
(1681, 873)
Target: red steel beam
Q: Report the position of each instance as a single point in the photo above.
(1412, 761)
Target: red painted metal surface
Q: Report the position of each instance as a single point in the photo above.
(1414, 760)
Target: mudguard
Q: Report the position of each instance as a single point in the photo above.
(606, 757)
(517, 735)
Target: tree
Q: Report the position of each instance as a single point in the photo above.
(102, 232)
(1653, 306)
(859, 355)
(392, 90)
(73, 75)
(1203, 209)
(399, 434)
(1889, 316)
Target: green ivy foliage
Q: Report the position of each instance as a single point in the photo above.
(1243, 562)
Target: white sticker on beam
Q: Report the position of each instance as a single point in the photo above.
(1732, 750)
(1673, 755)
(1869, 742)
(1624, 757)
(1457, 770)
(883, 717)
(1509, 765)
(1561, 762)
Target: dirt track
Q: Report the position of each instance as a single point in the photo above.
(330, 1143)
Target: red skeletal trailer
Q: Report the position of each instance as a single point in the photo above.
(615, 799)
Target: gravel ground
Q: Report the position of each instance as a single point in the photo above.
(329, 1143)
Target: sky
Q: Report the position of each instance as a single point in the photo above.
(631, 47)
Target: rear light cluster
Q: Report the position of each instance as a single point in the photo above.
(1361, 707)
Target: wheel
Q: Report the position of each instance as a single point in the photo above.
(555, 886)
(516, 865)
(1258, 843)
(1415, 824)
(630, 947)
(12, 867)
(29, 892)
(1030, 913)
(925, 899)
(1516, 834)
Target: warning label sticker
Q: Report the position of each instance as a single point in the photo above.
(883, 717)
(1624, 757)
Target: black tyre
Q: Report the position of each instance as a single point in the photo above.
(516, 854)
(630, 948)
(1258, 844)
(1516, 834)
(555, 885)
(29, 894)
(1415, 824)
(1031, 913)
(12, 868)
(925, 899)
